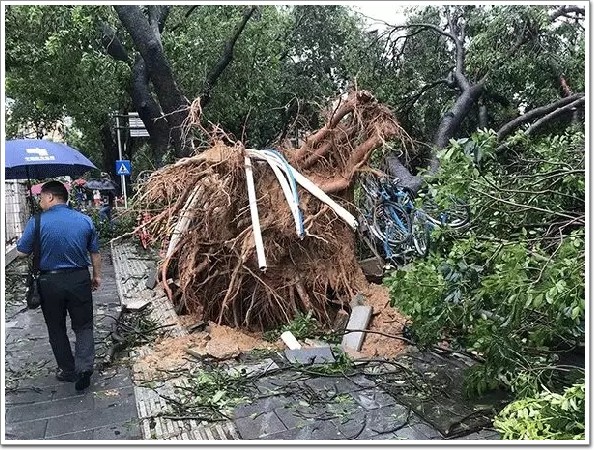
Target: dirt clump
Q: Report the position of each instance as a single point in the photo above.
(170, 354)
(385, 319)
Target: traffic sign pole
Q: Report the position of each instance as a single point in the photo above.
(123, 177)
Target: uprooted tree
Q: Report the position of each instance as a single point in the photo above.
(211, 254)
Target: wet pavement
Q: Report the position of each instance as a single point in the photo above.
(37, 405)
(279, 400)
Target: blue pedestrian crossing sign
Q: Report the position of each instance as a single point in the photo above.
(123, 167)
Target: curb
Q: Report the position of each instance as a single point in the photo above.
(131, 275)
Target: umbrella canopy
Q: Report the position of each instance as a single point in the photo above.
(36, 188)
(101, 185)
(40, 158)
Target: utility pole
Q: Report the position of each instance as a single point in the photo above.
(123, 177)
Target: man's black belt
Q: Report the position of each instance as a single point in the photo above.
(67, 270)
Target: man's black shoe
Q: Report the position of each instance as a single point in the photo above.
(84, 381)
(66, 376)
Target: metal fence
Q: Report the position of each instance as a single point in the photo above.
(16, 210)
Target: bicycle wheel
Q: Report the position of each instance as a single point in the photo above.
(393, 222)
(421, 233)
(456, 215)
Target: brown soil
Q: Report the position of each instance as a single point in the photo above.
(223, 342)
(217, 341)
(385, 319)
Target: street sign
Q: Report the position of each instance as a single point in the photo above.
(136, 126)
(123, 167)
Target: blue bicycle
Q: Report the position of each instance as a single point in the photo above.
(421, 226)
(386, 219)
(392, 218)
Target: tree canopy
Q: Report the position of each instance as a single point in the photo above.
(262, 72)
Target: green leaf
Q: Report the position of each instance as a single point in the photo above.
(218, 396)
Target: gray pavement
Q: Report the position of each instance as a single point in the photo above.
(37, 405)
(283, 403)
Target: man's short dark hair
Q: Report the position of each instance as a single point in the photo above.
(55, 188)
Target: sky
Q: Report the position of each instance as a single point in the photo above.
(390, 12)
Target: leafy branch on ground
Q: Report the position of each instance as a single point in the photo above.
(547, 415)
(512, 288)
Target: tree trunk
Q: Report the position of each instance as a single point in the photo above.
(148, 110)
(453, 118)
(147, 41)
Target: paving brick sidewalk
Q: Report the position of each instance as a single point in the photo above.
(37, 406)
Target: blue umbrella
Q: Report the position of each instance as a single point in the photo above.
(39, 158)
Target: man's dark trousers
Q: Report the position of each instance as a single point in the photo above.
(69, 291)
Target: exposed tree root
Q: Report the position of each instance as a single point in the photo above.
(213, 256)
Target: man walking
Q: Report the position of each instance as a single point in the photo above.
(67, 238)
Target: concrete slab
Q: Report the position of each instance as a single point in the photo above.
(10, 254)
(417, 432)
(366, 424)
(480, 436)
(258, 406)
(34, 429)
(373, 398)
(314, 355)
(44, 410)
(136, 305)
(151, 280)
(294, 416)
(336, 385)
(89, 420)
(121, 431)
(75, 436)
(321, 430)
(359, 320)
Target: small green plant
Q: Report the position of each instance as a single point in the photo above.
(210, 393)
(547, 415)
(302, 326)
(342, 365)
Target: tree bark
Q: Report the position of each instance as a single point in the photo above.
(147, 41)
(148, 110)
(469, 93)
(535, 113)
(555, 114)
(453, 118)
(112, 44)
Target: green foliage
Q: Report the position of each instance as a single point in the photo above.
(210, 393)
(122, 222)
(517, 48)
(512, 287)
(547, 415)
(302, 326)
(55, 69)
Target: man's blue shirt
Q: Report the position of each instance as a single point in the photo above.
(67, 237)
